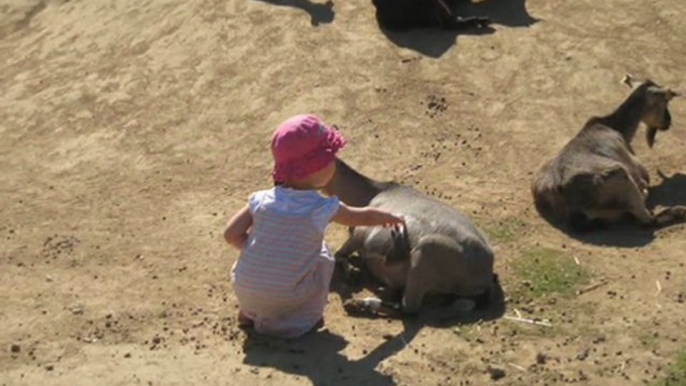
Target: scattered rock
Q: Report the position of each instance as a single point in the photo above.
(496, 373)
(583, 354)
(15, 348)
(50, 367)
(599, 339)
(77, 309)
(541, 358)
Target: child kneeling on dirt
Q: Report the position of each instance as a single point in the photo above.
(284, 270)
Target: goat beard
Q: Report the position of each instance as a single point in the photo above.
(650, 136)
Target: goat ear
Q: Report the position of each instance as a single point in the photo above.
(670, 94)
(628, 80)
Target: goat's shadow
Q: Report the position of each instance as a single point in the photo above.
(433, 42)
(671, 191)
(320, 13)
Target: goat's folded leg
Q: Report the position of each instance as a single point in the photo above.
(352, 245)
(458, 22)
(449, 20)
(670, 215)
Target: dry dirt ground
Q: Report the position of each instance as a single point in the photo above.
(132, 129)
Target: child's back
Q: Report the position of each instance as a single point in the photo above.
(285, 265)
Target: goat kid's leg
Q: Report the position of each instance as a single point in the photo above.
(417, 282)
(353, 244)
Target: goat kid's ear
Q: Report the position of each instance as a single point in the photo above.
(628, 80)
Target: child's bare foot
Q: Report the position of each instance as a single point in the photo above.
(244, 321)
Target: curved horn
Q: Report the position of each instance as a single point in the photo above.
(670, 94)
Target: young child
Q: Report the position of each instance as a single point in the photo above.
(283, 273)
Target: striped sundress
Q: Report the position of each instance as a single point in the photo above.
(283, 274)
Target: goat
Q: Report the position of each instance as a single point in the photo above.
(597, 178)
(439, 251)
(402, 15)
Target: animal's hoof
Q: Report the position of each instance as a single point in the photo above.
(459, 23)
(367, 306)
(482, 22)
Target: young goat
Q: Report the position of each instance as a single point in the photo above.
(441, 250)
(596, 178)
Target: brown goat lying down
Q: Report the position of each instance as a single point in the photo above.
(402, 15)
(597, 178)
(440, 252)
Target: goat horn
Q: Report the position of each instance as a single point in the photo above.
(671, 94)
(628, 80)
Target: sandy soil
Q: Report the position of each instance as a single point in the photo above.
(132, 129)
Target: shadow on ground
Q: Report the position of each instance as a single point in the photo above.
(317, 355)
(319, 13)
(434, 42)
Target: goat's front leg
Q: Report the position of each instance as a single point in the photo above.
(667, 216)
(371, 307)
(353, 244)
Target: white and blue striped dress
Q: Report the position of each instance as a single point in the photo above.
(283, 274)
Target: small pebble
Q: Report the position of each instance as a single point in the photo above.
(541, 358)
(496, 373)
(582, 355)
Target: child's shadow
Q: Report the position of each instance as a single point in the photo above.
(317, 356)
(319, 13)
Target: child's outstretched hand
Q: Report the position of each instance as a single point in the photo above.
(366, 216)
(394, 220)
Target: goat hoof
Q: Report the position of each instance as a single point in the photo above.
(471, 22)
(359, 307)
(482, 22)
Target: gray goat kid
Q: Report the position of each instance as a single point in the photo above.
(440, 250)
(596, 178)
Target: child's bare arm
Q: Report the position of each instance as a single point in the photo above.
(236, 232)
(365, 216)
